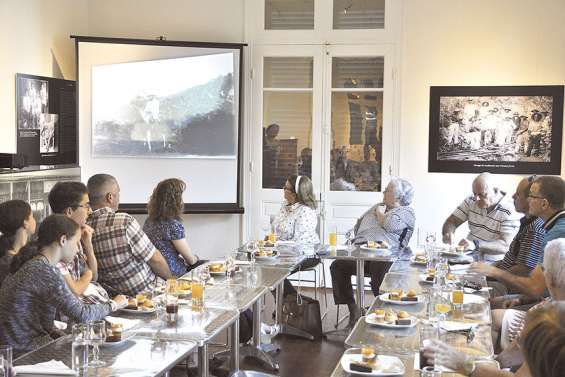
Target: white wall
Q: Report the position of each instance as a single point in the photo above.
(211, 236)
(461, 42)
(32, 32)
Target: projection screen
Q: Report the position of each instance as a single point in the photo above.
(150, 110)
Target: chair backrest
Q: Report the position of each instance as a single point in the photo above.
(405, 237)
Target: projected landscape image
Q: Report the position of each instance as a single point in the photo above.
(179, 108)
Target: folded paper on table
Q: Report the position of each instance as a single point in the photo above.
(49, 368)
(456, 326)
(127, 324)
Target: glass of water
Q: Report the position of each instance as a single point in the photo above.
(96, 335)
(6, 361)
(80, 349)
(230, 266)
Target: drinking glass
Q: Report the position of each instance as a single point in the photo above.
(204, 274)
(6, 361)
(172, 286)
(427, 333)
(230, 266)
(197, 295)
(79, 352)
(333, 236)
(457, 298)
(172, 307)
(96, 335)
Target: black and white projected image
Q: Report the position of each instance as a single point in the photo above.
(48, 137)
(33, 103)
(495, 128)
(179, 108)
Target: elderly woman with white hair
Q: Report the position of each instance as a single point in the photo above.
(391, 221)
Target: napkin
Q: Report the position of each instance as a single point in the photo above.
(456, 326)
(127, 324)
(52, 368)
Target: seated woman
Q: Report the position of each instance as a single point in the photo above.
(165, 229)
(542, 345)
(297, 221)
(17, 224)
(35, 290)
(511, 322)
(394, 225)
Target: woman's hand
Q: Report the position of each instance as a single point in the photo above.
(440, 353)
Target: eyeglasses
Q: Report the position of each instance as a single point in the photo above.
(87, 206)
(535, 197)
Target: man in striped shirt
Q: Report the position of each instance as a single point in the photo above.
(525, 250)
(492, 221)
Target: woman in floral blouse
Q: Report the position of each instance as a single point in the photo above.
(297, 221)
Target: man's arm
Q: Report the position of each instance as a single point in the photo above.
(499, 246)
(449, 227)
(159, 265)
(532, 285)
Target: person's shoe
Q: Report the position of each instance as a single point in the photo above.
(354, 315)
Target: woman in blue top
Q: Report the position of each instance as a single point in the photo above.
(165, 229)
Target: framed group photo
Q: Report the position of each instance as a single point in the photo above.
(499, 129)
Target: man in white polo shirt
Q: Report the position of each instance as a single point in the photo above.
(491, 217)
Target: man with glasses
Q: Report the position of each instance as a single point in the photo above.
(526, 248)
(547, 201)
(71, 199)
(492, 221)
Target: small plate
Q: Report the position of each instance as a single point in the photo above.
(423, 279)
(384, 249)
(125, 338)
(387, 365)
(384, 298)
(371, 319)
(139, 311)
(265, 257)
(419, 262)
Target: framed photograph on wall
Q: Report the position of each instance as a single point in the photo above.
(499, 129)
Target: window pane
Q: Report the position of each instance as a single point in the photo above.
(287, 136)
(358, 72)
(356, 151)
(359, 14)
(289, 14)
(295, 72)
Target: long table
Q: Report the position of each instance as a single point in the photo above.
(139, 356)
(404, 343)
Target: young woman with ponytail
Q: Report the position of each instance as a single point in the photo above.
(16, 225)
(35, 290)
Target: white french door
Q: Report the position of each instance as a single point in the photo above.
(332, 106)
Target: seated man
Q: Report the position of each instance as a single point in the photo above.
(547, 201)
(128, 262)
(525, 250)
(491, 218)
(393, 225)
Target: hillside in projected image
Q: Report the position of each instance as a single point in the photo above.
(180, 108)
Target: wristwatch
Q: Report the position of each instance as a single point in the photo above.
(469, 366)
(476, 242)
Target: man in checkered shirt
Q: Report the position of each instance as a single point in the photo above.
(128, 263)
(492, 219)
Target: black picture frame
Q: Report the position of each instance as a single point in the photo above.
(455, 145)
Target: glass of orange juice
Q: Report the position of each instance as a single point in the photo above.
(457, 297)
(333, 237)
(272, 237)
(197, 295)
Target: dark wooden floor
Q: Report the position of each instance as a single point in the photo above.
(299, 357)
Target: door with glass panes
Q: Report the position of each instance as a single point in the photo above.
(323, 112)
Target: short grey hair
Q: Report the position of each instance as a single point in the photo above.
(98, 186)
(554, 262)
(403, 191)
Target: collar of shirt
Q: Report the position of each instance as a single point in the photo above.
(102, 210)
(553, 219)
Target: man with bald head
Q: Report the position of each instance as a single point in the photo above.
(492, 221)
(128, 263)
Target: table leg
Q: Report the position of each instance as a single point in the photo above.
(255, 350)
(361, 285)
(203, 360)
(234, 345)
